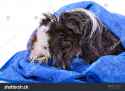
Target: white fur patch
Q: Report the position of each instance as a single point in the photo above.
(40, 47)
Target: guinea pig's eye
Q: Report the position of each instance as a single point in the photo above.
(45, 47)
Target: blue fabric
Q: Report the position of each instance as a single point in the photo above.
(107, 69)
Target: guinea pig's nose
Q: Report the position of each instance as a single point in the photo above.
(42, 55)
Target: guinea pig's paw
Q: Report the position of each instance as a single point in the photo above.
(37, 59)
(43, 59)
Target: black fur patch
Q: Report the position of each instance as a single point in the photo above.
(70, 36)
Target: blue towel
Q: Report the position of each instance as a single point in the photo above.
(106, 69)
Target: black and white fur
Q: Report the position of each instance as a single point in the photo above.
(73, 33)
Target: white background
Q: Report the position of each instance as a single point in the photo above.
(19, 18)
